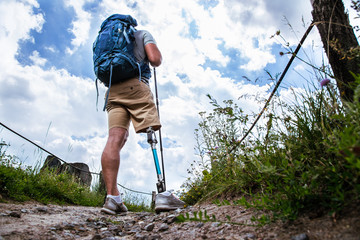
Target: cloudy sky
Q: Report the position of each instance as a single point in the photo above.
(47, 90)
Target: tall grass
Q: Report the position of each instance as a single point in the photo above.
(304, 157)
(23, 183)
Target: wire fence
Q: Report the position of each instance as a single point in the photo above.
(63, 161)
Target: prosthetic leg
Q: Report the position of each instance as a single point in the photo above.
(161, 187)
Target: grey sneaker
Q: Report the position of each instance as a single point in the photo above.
(112, 207)
(166, 201)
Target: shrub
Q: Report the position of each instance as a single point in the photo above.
(305, 157)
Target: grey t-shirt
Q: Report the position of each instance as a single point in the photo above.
(142, 37)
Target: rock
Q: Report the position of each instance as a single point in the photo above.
(68, 235)
(134, 230)
(250, 236)
(80, 170)
(102, 187)
(149, 227)
(52, 163)
(96, 237)
(15, 214)
(154, 237)
(199, 225)
(215, 224)
(170, 219)
(141, 224)
(163, 227)
(140, 236)
(302, 236)
(107, 235)
(42, 209)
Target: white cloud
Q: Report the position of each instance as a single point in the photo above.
(36, 59)
(17, 19)
(81, 24)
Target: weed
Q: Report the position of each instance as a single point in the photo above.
(22, 183)
(306, 156)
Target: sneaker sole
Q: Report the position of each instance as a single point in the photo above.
(164, 208)
(108, 211)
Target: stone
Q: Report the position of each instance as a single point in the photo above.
(102, 187)
(42, 209)
(199, 225)
(154, 237)
(80, 170)
(149, 227)
(96, 237)
(215, 224)
(302, 236)
(163, 227)
(140, 236)
(69, 226)
(250, 236)
(52, 163)
(15, 214)
(170, 219)
(141, 224)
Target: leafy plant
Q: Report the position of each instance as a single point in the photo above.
(305, 157)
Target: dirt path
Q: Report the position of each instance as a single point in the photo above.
(37, 221)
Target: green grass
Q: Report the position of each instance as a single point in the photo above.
(20, 183)
(137, 203)
(304, 157)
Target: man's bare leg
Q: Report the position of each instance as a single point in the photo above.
(110, 158)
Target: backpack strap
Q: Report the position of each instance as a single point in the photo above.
(126, 35)
(139, 71)
(97, 93)
(108, 91)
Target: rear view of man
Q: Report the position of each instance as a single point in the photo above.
(132, 100)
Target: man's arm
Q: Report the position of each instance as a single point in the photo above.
(153, 54)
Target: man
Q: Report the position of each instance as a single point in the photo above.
(131, 100)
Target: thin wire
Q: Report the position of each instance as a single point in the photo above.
(276, 86)
(134, 190)
(40, 147)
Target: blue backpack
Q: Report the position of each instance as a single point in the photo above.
(113, 52)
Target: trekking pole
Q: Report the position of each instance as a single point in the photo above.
(160, 138)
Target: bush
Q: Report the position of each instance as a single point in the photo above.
(305, 157)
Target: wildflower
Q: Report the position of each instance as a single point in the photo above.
(324, 82)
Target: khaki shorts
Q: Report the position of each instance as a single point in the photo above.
(132, 100)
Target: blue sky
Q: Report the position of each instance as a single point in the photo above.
(48, 93)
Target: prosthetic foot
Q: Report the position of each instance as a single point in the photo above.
(161, 178)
